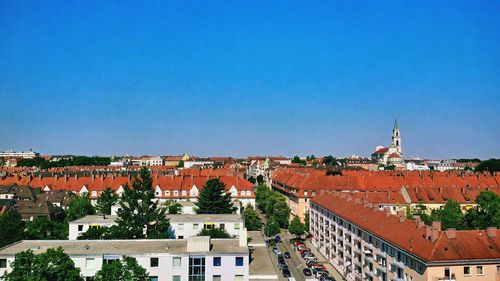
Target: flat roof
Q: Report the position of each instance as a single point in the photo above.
(121, 247)
(205, 217)
(96, 219)
(261, 264)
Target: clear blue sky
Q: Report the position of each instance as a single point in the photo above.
(250, 77)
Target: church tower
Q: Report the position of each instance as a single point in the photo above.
(396, 136)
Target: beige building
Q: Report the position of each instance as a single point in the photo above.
(364, 243)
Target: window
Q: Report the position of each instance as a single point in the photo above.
(181, 226)
(183, 193)
(167, 193)
(238, 278)
(196, 226)
(176, 193)
(180, 237)
(447, 272)
(90, 263)
(216, 278)
(176, 278)
(479, 270)
(237, 226)
(153, 262)
(222, 226)
(80, 227)
(176, 262)
(217, 261)
(153, 278)
(196, 269)
(3, 263)
(466, 270)
(239, 261)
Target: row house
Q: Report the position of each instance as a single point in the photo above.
(364, 243)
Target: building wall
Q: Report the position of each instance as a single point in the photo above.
(74, 232)
(183, 230)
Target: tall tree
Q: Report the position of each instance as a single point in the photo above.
(296, 227)
(272, 227)
(252, 220)
(11, 227)
(306, 222)
(42, 228)
(450, 215)
(139, 215)
(79, 207)
(126, 269)
(53, 265)
(214, 233)
(486, 213)
(214, 199)
(105, 201)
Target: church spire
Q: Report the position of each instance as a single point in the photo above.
(396, 127)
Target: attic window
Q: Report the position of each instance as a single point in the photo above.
(445, 249)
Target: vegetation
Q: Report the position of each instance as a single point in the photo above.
(296, 227)
(252, 220)
(53, 265)
(181, 164)
(492, 165)
(260, 179)
(126, 269)
(214, 199)
(105, 201)
(139, 215)
(79, 207)
(173, 207)
(330, 161)
(389, 168)
(70, 161)
(273, 204)
(296, 160)
(252, 180)
(333, 172)
(272, 227)
(42, 228)
(11, 227)
(306, 222)
(214, 233)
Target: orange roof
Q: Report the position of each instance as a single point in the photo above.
(468, 244)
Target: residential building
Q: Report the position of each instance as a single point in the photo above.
(82, 225)
(195, 258)
(18, 154)
(364, 243)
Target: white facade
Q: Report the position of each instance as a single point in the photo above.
(164, 260)
(184, 226)
(17, 154)
(204, 163)
(80, 226)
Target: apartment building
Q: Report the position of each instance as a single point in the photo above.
(195, 258)
(364, 243)
(181, 226)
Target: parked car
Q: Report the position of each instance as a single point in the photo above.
(313, 259)
(326, 277)
(280, 256)
(277, 239)
(320, 273)
(277, 251)
(282, 264)
(287, 255)
(286, 273)
(307, 271)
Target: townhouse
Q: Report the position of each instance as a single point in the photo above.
(364, 243)
(195, 258)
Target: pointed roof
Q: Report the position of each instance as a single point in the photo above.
(396, 127)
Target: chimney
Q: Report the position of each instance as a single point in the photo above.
(401, 213)
(402, 219)
(491, 232)
(243, 237)
(55, 176)
(420, 223)
(428, 232)
(387, 211)
(436, 225)
(435, 229)
(389, 194)
(451, 233)
(65, 178)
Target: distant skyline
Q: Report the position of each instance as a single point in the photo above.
(235, 78)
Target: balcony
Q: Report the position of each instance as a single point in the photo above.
(445, 279)
(398, 264)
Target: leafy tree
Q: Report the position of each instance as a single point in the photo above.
(180, 164)
(41, 228)
(306, 222)
(492, 165)
(421, 211)
(486, 213)
(126, 269)
(261, 196)
(252, 220)
(272, 227)
(214, 199)
(260, 179)
(79, 207)
(389, 168)
(450, 215)
(330, 161)
(105, 201)
(333, 172)
(95, 234)
(11, 227)
(252, 180)
(296, 227)
(173, 207)
(296, 160)
(53, 265)
(214, 233)
(273, 203)
(139, 215)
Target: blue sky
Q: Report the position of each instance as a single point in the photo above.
(250, 77)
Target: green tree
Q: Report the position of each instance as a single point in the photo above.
(252, 180)
(94, 233)
(41, 228)
(53, 265)
(261, 196)
(272, 227)
(296, 160)
(174, 207)
(389, 168)
(139, 215)
(214, 233)
(296, 227)
(260, 179)
(180, 164)
(105, 201)
(492, 165)
(79, 207)
(11, 227)
(330, 161)
(486, 213)
(126, 269)
(306, 222)
(252, 220)
(450, 215)
(214, 199)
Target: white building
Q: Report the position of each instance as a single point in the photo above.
(392, 155)
(181, 226)
(18, 154)
(197, 258)
(205, 163)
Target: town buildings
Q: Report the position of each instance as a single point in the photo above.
(392, 155)
(364, 243)
(18, 154)
(195, 258)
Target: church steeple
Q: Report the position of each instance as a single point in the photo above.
(396, 136)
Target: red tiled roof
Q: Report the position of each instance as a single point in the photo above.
(468, 244)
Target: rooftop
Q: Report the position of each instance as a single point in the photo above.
(205, 217)
(96, 219)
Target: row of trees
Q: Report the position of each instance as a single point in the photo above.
(274, 206)
(55, 265)
(486, 213)
(65, 162)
